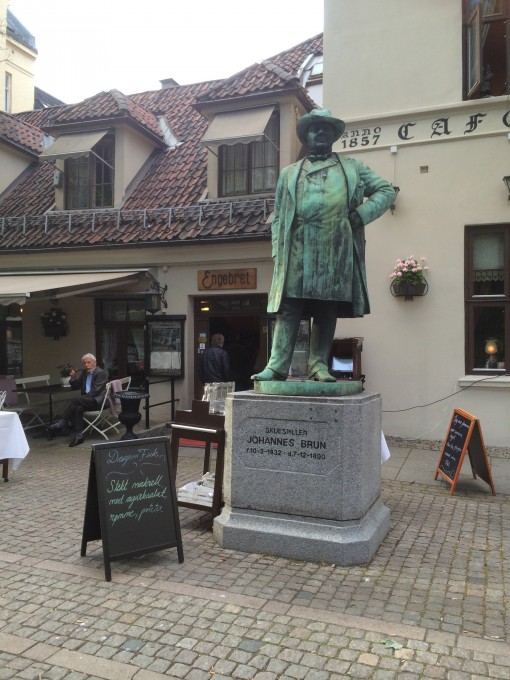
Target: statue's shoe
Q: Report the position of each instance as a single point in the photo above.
(267, 374)
(322, 375)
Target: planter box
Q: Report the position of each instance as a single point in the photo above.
(409, 290)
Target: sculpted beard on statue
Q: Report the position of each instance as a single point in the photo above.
(322, 204)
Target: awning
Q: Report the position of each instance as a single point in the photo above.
(73, 146)
(18, 287)
(237, 127)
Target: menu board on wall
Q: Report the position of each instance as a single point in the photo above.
(165, 352)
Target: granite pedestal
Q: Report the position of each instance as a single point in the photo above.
(303, 477)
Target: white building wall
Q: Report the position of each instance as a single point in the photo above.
(19, 62)
(449, 171)
(391, 56)
(12, 164)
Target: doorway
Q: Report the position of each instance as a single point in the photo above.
(243, 322)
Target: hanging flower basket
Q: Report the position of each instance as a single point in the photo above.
(54, 323)
(407, 278)
(409, 290)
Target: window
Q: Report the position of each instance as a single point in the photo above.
(250, 168)
(121, 338)
(487, 43)
(487, 299)
(89, 178)
(8, 92)
(11, 340)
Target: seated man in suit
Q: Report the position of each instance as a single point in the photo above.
(92, 385)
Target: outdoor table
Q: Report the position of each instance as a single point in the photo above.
(13, 443)
(50, 390)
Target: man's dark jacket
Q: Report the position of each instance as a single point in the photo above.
(97, 387)
(214, 365)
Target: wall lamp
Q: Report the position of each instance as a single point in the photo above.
(506, 180)
(155, 298)
(392, 206)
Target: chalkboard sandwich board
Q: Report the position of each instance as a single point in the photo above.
(131, 500)
(464, 436)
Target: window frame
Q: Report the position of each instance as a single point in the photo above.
(97, 170)
(474, 302)
(476, 24)
(247, 153)
(7, 92)
(121, 326)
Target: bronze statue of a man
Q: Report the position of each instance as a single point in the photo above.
(318, 244)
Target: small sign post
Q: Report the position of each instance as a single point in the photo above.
(464, 435)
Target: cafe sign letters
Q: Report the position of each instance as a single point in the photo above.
(456, 125)
(227, 279)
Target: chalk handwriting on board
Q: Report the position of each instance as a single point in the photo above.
(464, 436)
(131, 499)
(131, 481)
(455, 442)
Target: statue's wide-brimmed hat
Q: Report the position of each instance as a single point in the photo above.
(319, 116)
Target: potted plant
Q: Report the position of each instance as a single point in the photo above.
(64, 370)
(408, 278)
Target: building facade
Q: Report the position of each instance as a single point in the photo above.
(167, 194)
(423, 88)
(18, 54)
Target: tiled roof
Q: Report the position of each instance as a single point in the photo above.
(163, 204)
(26, 137)
(17, 31)
(112, 104)
(272, 74)
(32, 195)
(44, 99)
(291, 60)
(196, 223)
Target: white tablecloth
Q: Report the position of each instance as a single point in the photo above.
(13, 443)
(385, 452)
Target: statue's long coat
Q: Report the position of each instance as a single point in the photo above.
(362, 182)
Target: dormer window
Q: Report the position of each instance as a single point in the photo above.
(89, 178)
(89, 160)
(246, 144)
(250, 168)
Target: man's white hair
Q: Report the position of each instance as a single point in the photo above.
(88, 356)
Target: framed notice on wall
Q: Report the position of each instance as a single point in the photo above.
(165, 351)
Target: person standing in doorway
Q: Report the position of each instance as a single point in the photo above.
(214, 364)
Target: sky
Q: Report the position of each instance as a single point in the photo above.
(86, 46)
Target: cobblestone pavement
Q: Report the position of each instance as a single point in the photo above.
(433, 603)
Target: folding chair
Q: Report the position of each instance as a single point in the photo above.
(106, 417)
(25, 404)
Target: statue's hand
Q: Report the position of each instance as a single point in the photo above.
(355, 219)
